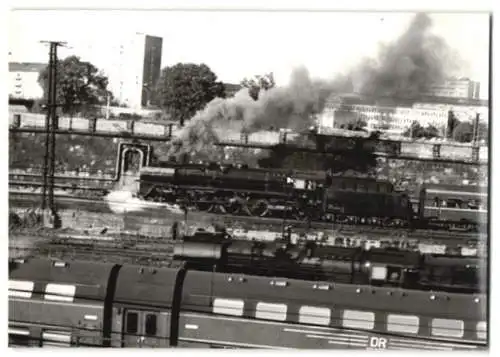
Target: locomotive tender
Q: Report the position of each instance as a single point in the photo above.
(313, 196)
(54, 303)
(309, 260)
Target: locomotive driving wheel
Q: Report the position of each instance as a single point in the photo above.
(204, 205)
(259, 208)
(234, 205)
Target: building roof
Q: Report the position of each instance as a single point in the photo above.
(354, 98)
(26, 66)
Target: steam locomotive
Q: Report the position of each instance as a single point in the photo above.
(309, 260)
(313, 196)
(88, 304)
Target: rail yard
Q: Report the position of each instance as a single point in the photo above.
(311, 215)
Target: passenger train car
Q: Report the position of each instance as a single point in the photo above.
(105, 305)
(454, 206)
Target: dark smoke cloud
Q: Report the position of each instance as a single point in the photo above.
(404, 68)
(409, 65)
(292, 107)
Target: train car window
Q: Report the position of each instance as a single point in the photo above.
(314, 315)
(132, 321)
(56, 339)
(150, 325)
(358, 319)
(60, 292)
(447, 327)
(228, 307)
(379, 273)
(22, 289)
(271, 311)
(481, 330)
(19, 337)
(402, 323)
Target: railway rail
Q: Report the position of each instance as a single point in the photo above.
(263, 223)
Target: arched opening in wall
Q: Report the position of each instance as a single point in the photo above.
(132, 161)
(131, 164)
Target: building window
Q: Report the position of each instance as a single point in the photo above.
(447, 328)
(150, 325)
(358, 319)
(132, 321)
(271, 311)
(402, 323)
(314, 315)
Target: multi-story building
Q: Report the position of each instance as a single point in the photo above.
(135, 70)
(456, 88)
(462, 112)
(396, 119)
(132, 64)
(23, 80)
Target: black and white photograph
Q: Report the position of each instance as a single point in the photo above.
(238, 179)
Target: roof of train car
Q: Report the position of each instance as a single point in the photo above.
(453, 261)
(455, 195)
(201, 287)
(455, 188)
(146, 285)
(90, 278)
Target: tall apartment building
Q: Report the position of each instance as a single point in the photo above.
(132, 64)
(23, 80)
(456, 88)
(136, 69)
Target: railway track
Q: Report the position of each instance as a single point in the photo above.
(145, 252)
(153, 250)
(256, 223)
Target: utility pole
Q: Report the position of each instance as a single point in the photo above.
(51, 127)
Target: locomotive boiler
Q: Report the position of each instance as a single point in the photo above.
(313, 196)
(310, 260)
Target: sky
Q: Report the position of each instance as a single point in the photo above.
(241, 44)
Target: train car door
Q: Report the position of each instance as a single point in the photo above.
(144, 329)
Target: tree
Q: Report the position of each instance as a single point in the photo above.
(482, 131)
(463, 132)
(185, 88)
(453, 122)
(258, 83)
(431, 132)
(418, 131)
(79, 84)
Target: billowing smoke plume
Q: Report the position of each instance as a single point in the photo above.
(408, 66)
(404, 68)
(290, 107)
